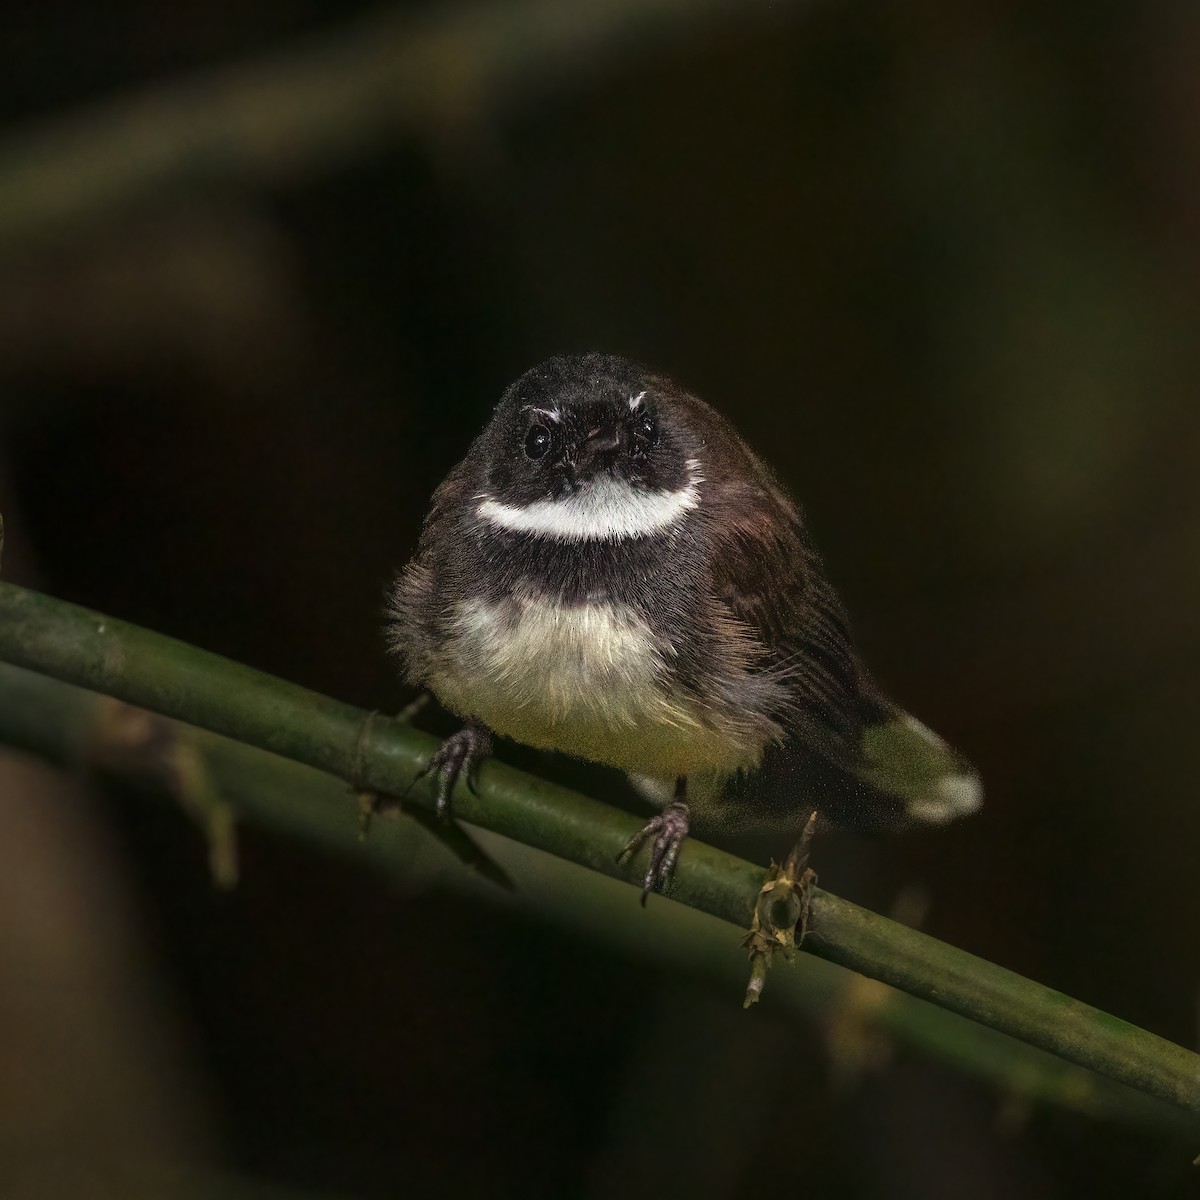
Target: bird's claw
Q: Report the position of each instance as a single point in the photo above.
(669, 829)
(458, 756)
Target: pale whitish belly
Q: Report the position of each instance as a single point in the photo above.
(588, 680)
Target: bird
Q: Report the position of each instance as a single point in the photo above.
(612, 573)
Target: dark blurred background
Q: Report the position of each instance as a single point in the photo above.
(939, 263)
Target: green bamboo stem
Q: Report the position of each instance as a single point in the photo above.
(169, 677)
(65, 725)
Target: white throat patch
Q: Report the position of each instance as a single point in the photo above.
(606, 510)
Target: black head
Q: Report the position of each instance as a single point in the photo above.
(576, 419)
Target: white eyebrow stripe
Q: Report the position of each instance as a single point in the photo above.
(636, 401)
(551, 414)
(605, 511)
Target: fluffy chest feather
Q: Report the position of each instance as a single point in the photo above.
(589, 679)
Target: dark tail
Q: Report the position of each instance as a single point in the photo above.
(891, 772)
(900, 756)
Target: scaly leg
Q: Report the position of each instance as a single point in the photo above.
(669, 830)
(459, 755)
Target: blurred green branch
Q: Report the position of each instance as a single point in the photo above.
(320, 103)
(96, 652)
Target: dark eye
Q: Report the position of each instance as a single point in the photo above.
(537, 441)
(646, 428)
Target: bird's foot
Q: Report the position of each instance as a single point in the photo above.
(669, 829)
(459, 756)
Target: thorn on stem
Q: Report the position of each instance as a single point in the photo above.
(780, 920)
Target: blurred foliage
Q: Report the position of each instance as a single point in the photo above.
(941, 263)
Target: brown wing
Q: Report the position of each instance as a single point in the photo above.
(887, 769)
(768, 573)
